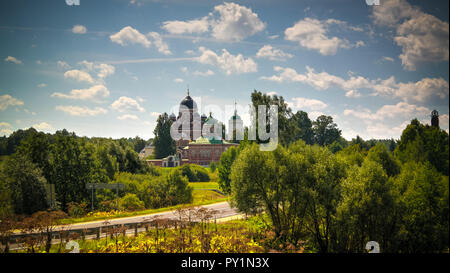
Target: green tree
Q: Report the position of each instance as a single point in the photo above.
(380, 154)
(422, 143)
(25, 183)
(163, 142)
(367, 210)
(131, 202)
(423, 200)
(302, 127)
(285, 128)
(224, 169)
(325, 130)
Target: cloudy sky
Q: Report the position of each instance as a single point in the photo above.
(108, 68)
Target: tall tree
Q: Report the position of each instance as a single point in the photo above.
(25, 183)
(422, 143)
(285, 128)
(163, 142)
(302, 127)
(325, 130)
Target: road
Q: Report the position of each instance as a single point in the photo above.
(222, 210)
(96, 229)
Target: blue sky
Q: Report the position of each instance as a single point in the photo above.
(108, 68)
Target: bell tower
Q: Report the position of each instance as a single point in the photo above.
(435, 118)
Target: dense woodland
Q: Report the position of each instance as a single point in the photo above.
(319, 190)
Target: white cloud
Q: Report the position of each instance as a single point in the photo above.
(127, 116)
(63, 65)
(129, 35)
(78, 75)
(388, 59)
(203, 74)
(11, 59)
(155, 114)
(123, 104)
(192, 26)
(421, 91)
(43, 126)
(159, 43)
(271, 93)
(41, 85)
(352, 94)
(88, 65)
(105, 70)
(235, 22)
(5, 124)
(79, 29)
(401, 110)
(272, 53)
(81, 111)
(312, 34)
(231, 64)
(228, 22)
(5, 132)
(304, 103)
(7, 100)
(422, 37)
(178, 80)
(95, 93)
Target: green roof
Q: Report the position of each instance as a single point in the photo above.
(203, 140)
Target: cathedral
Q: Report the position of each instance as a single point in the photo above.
(204, 149)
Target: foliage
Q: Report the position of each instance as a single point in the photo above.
(77, 209)
(25, 184)
(131, 202)
(300, 200)
(157, 191)
(420, 143)
(195, 173)
(325, 130)
(226, 161)
(163, 142)
(423, 205)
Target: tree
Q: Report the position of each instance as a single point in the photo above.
(163, 142)
(285, 128)
(380, 154)
(139, 144)
(226, 161)
(423, 202)
(297, 187)
(302, 127)
(422, 143)
(25, 183)
(367, 210)
(325, 130)
(72, 168)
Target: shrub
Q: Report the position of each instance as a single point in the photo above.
(131, 202)
(77, 209)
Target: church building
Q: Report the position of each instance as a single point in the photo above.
(204, 149)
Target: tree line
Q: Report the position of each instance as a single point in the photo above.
(332, 195)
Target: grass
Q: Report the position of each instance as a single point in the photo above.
(200, 197)
(232, 236)
(204, 185)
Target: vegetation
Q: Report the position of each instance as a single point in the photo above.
(339, 202)
(163, 142)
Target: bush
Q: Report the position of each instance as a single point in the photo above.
(195, 173)
(77, 209)
(107, 205)
(131, 202)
